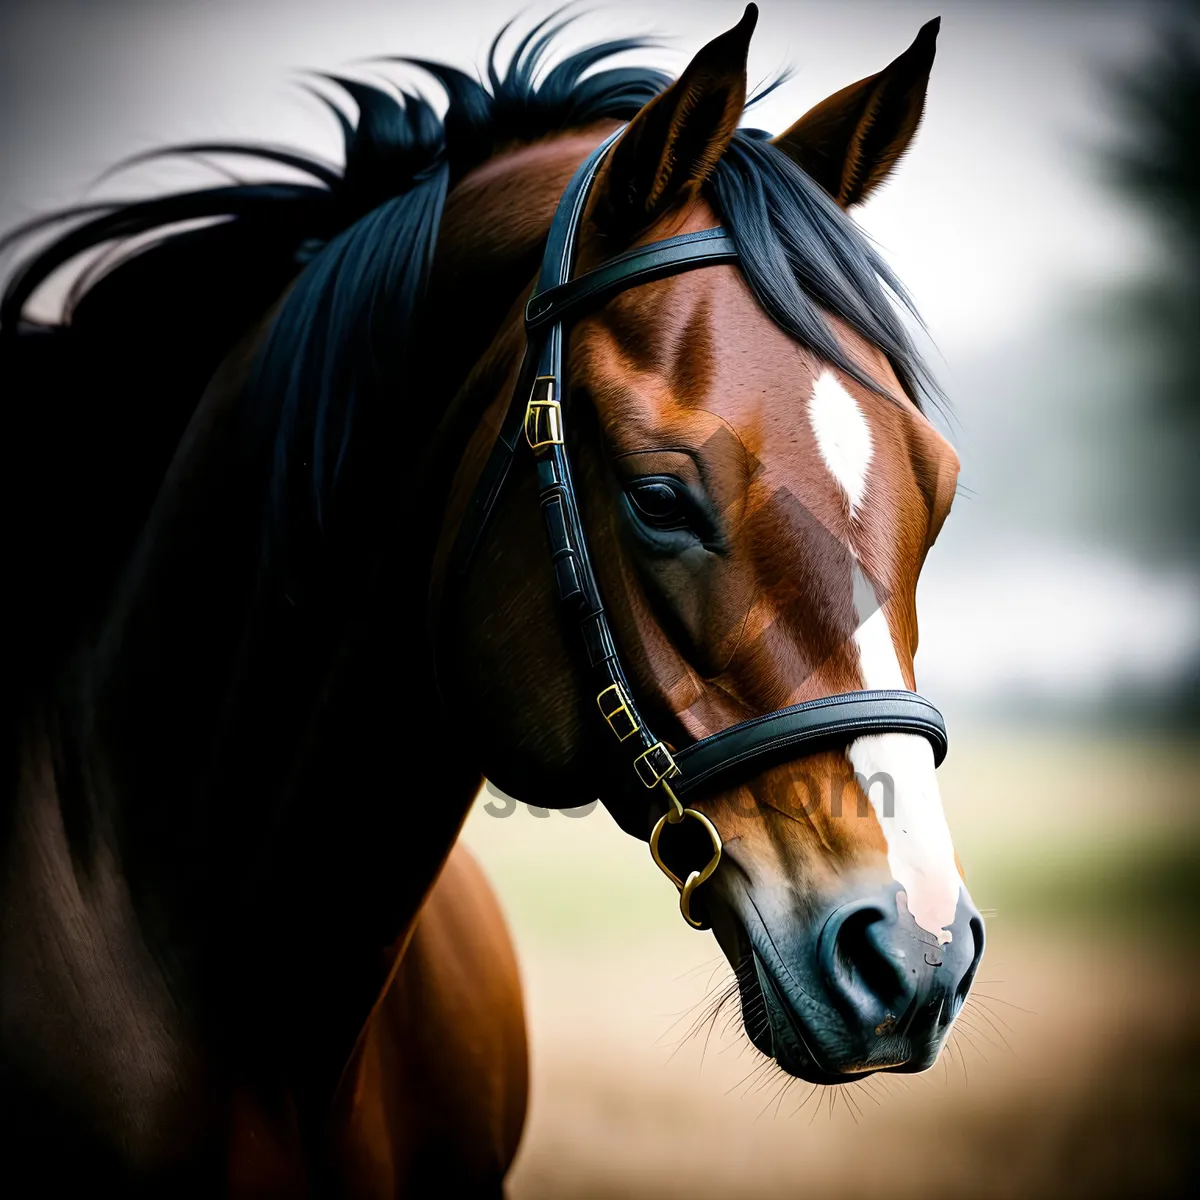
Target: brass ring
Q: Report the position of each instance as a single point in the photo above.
(696, 878)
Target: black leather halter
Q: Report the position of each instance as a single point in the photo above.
(535, 419)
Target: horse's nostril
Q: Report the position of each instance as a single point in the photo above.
(964, 985)
(896, 988)
(864, 969)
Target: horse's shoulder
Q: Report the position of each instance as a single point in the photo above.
(437, 1088)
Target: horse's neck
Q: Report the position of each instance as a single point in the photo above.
(268, 768)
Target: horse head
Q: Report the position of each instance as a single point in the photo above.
(759, 487)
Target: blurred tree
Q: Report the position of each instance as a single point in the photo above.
(1159, 166)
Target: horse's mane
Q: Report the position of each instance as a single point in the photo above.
(359, 240)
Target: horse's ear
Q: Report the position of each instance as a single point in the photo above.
(851, 141)
(671, 146)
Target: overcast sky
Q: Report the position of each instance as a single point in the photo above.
(998, 222)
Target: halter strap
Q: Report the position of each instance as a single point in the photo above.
(561, 304)
(824, 724)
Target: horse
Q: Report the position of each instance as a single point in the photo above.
(278, 616)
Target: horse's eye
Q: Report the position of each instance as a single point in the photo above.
(659, 502)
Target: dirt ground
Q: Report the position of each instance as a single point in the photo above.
(1072, 1073)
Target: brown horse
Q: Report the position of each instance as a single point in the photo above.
(240, 953)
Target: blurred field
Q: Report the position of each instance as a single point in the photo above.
(1073, 1074)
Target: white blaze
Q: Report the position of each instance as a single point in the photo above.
(920, 852)
(843, 436)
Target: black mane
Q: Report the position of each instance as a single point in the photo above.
(397, 143)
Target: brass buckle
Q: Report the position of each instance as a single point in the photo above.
(543, 415)
(618, 713)
(655, 765)
(687, 887)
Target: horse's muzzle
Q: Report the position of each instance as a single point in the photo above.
(865, 989)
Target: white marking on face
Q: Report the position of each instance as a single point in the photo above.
(905, 794)
(843, 436)
(876, 652)
(920, 853)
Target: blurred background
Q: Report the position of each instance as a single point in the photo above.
(1047, 223)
